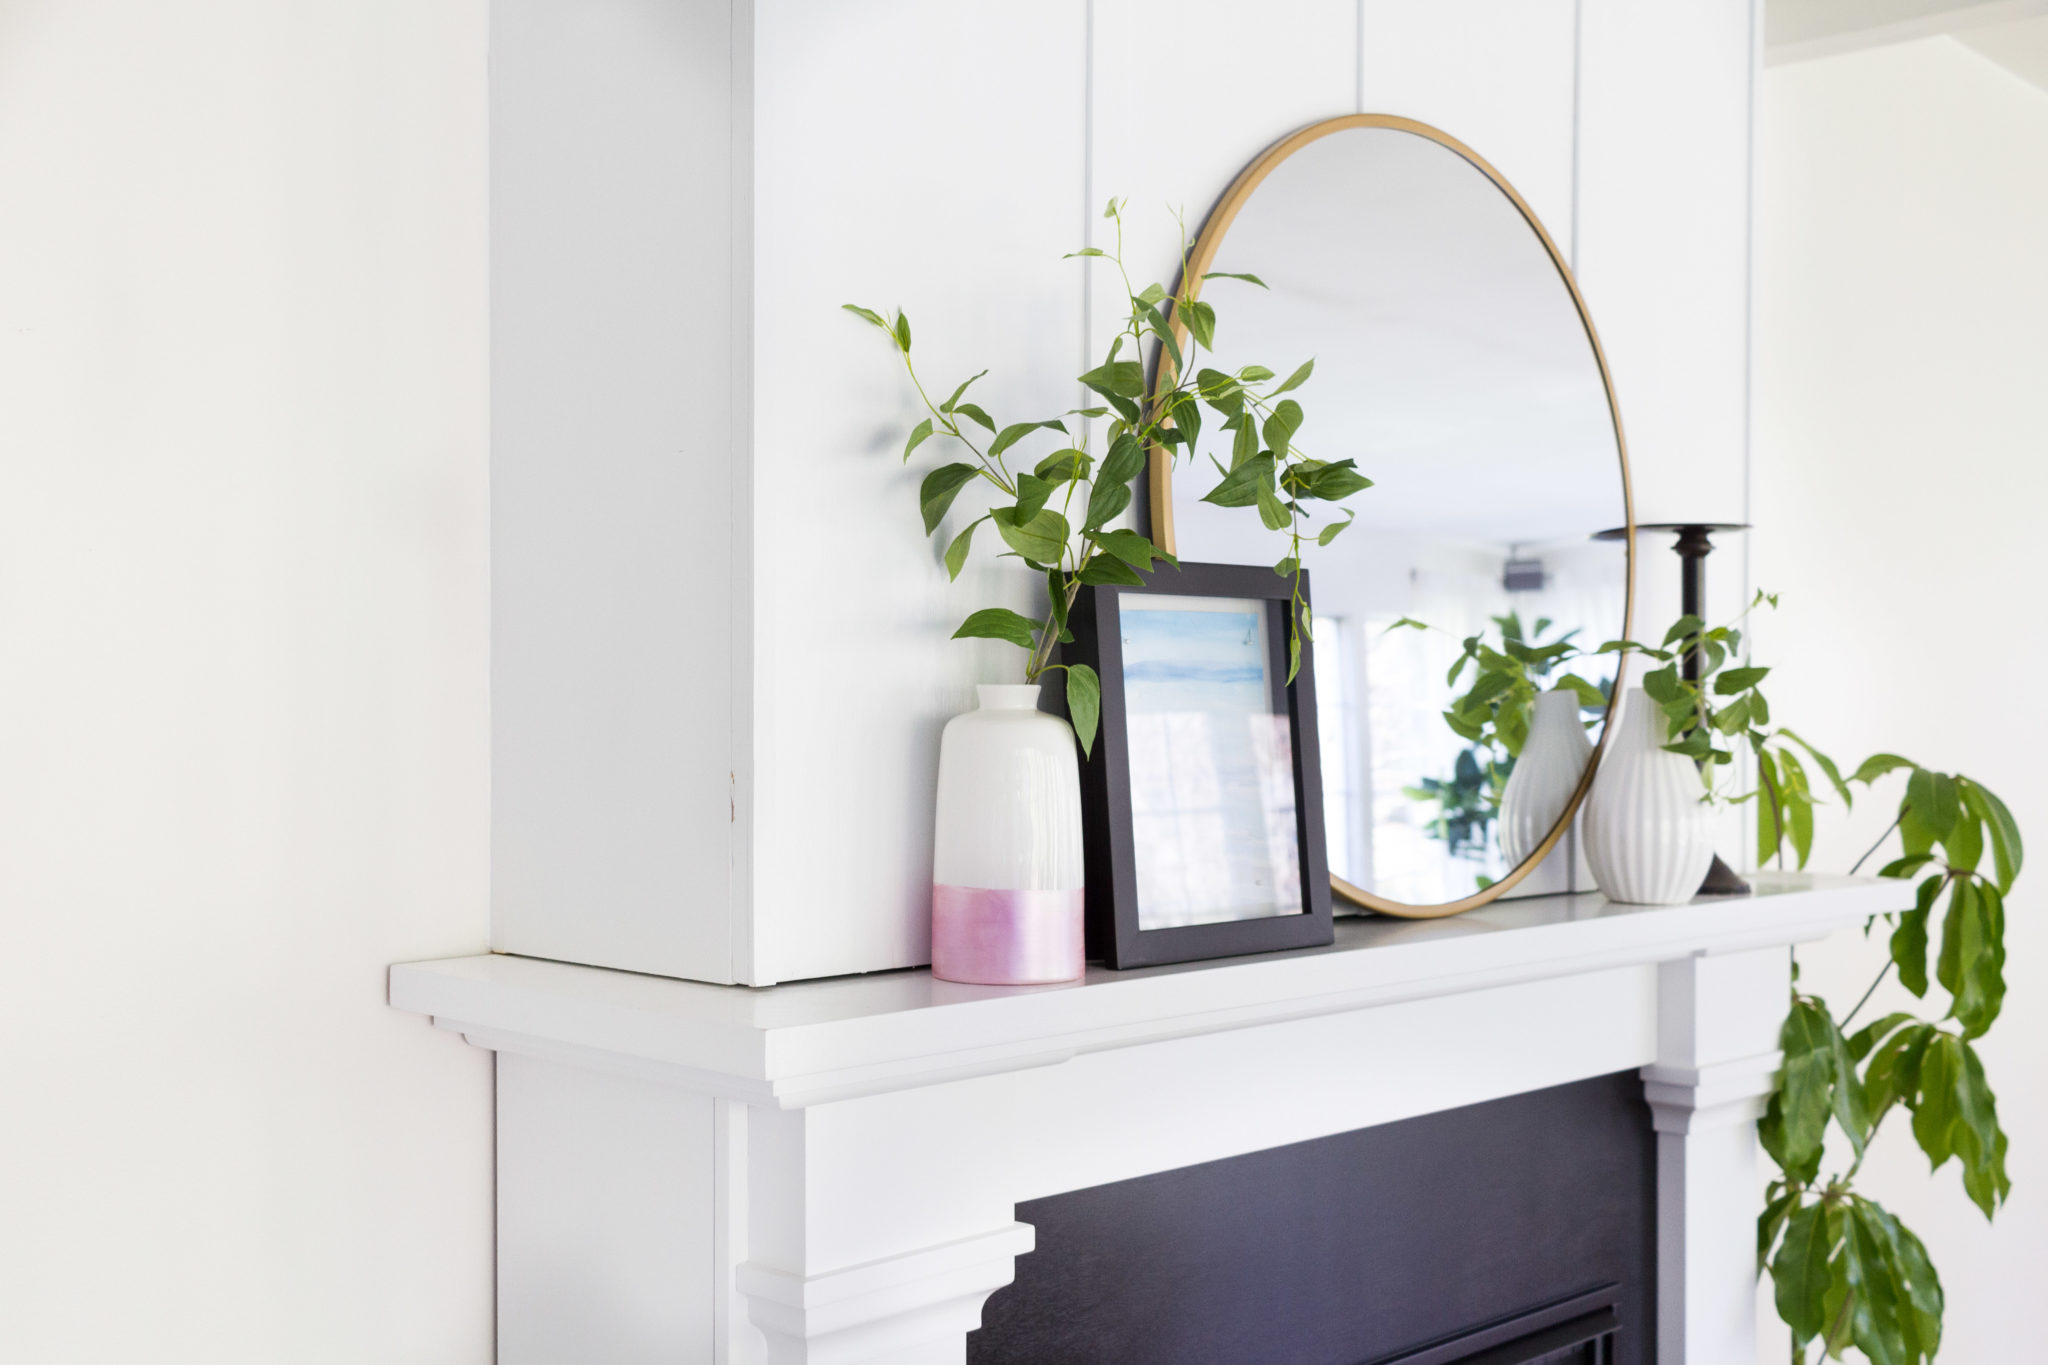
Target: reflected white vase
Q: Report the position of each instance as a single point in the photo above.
(1007, 875)
(1649, 835)
(1547, 772)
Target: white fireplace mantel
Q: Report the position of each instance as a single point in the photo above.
(828, 1171)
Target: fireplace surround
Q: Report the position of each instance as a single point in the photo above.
(832, 1171)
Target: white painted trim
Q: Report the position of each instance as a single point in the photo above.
(1850, 28)
(816, 1041)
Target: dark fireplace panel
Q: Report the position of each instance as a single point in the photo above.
(1510, 1233)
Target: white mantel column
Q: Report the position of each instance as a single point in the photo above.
(1717, 1055)
(837, 1269)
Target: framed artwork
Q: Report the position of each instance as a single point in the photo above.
(1202, 800)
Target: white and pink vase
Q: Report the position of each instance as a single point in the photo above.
(1649, 830)
(1007, 878)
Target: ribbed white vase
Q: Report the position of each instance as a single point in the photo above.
(1649, 836)
(1007, 875)
(1547, 772)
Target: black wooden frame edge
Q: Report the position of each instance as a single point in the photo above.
(1109, 845)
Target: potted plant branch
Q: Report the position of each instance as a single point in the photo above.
(1058, 515)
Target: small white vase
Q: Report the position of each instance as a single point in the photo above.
(1007, 879)
(1649, 835)
(1547, 772)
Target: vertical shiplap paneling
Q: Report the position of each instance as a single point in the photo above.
(926, 154)
(1495, 74)
(1663, 242)
(610, 474)
(1185, 93)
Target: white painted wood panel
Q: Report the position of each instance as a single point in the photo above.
(1664, 240)
(605, 1218)
(1498, 75)
(1184, 94)
(611, 470)
(926, 154)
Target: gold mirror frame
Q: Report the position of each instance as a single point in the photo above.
(1160, 480)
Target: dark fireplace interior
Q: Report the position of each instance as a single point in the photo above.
(1517, 1232)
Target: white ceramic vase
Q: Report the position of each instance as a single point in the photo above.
(1007, 880)
(1547, 772)
(1649, 835)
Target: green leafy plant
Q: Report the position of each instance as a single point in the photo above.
(1844, 1271)
(1496, 709)
(1058, 515)
(1467, 804)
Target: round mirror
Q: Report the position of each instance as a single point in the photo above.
(1455, 363)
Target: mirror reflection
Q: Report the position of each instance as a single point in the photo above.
(1453, 365)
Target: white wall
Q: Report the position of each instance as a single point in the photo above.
(243, 745)
(1902, 305)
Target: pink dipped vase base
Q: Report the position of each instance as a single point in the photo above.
(1007, 938)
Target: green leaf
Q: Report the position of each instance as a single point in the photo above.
(938, 490)
(1272, 511)
(1661, 685)
(998, 623)
(956, 553)
(918, 434)
(1151, 295)
(1032, 493)
(868, 314)
(1795, 1123)
(1935, 1114)
(1201, 322)
(1335, 482)
(1799, 1272)
(1105, 502)
(1334, 529)
(1064, 465)
(1869, 1036)
(1040, 539)
(1017, 431)
(1126, 457)
(954, 401)
(1084, 704)
(1132, 548)
(1876, 1297)
(1280, 426)
(1965, 842)
(2007, 853)
(1288, 567)
(1235, 275)
(1739, 680)
(1770, 818)
(1681, 628)
(1980, 958)
(1893, 1075)
(1920, 1315)
(1101, 570)
(974, 414)
(1909, 938)
(1906, 866)
(1085, 251)
(1980, 1142)
(1934, 800)
(1244, 443)
(1254, 374)
(903, 331)
(1771, 1222)
(1117, 379)
(1240, 487)
(1877, 765)
(1297, 379)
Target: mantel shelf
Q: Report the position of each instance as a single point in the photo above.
(815, 1041)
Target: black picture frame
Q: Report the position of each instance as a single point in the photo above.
(1114, 937)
